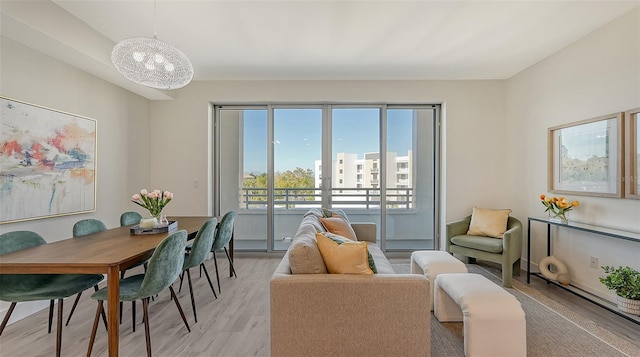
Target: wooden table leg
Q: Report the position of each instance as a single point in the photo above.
(113, 292)
(231, 255)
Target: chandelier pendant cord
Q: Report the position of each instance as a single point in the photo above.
(155, 19)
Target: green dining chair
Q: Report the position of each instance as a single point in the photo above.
(196, 256)
(127, 219)
(223, 236)
(33, 287)
(130, 218)
(165, 265)
(88, 226)
(80, 229)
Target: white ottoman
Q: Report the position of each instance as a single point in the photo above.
(494, 322)
(434, 262)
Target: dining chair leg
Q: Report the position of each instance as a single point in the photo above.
(51, 302)
(99, 310)
(175, 299)
(104, 316)
(133, 315)
(75, 303)
(193, 301)
(145, 305)
(230, 262)
(59, 329)
(181, 279)
(215, 262)
(206, 273)
(73, 308)
(7, 316)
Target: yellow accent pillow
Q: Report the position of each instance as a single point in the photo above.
(337, 225)
(350, 257)
(488, 222)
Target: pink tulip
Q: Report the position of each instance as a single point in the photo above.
(168, 195)
(135, 197)
(152, 195)
(143, 192)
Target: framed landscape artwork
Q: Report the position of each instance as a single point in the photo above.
(586, 158)
(632, 160)
(47, 162)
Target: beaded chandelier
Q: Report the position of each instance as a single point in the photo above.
(152, 63)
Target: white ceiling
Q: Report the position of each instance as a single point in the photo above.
(290, 40)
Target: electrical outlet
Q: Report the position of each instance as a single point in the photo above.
(593, 262)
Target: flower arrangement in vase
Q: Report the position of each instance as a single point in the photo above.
(154, 201)
(558, 207)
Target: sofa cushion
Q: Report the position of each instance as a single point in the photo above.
(341, 239)
(343, 256)
(310, 224)
(488, 222)
(336, 212)
(304, 256)
(380, 260)
(337, 225)
(315, 212)
(486, 244)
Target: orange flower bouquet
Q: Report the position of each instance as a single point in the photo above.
(558, 207)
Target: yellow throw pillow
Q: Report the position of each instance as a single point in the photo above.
(488, 222)
(350, 257)
(337, 225)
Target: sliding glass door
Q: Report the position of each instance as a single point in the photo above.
(297, 151)
(410, 209)
(377, 163)
(240, 177)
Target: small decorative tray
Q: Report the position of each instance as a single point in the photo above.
(161, 228)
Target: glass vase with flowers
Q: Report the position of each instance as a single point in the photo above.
(558, 207)
(154, 201)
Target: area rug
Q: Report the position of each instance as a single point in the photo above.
(552, 329)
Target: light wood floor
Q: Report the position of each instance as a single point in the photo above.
(236, 324)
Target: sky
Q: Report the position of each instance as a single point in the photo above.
(587, 140)
(298, 135)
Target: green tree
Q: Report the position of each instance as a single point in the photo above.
(291, 179)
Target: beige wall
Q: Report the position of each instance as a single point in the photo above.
(122, 124)
(597, 75)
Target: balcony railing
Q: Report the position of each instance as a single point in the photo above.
(291, 198)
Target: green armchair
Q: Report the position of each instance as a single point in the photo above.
(506, 250)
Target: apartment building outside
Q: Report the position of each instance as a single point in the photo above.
(359, 179)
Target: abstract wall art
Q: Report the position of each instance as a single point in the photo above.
(47, 162)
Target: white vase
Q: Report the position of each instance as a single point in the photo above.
(629, 306)
(148, 223)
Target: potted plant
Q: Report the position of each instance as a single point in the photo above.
(625, 282)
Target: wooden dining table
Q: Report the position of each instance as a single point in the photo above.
(107, 252)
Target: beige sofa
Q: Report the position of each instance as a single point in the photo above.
(322, 314)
